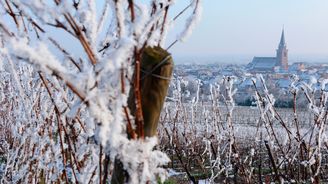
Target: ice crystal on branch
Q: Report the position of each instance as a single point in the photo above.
(70, 69)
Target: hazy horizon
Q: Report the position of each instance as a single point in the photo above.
(242, 59)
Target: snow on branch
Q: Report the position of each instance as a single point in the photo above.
(76, 64)
(192, 20)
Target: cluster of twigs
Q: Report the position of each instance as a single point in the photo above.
(204, 142)
(66, 110)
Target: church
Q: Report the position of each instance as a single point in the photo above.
(272, 64)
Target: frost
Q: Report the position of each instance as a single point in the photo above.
(323, 84)
(66, 109)
(40, 55)
(192, 20)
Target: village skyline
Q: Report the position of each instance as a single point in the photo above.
(250, 28)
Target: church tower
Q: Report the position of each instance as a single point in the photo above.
(282, 53)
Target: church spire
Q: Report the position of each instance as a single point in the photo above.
(282, 52)
(282, 39)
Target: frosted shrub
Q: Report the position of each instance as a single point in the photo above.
(220, 142)
(69, 69)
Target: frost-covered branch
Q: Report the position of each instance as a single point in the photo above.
(73, 68)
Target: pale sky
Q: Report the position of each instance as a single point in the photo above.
(233, 28)
(253, 27)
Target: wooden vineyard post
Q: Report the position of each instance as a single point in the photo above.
(155, 74)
